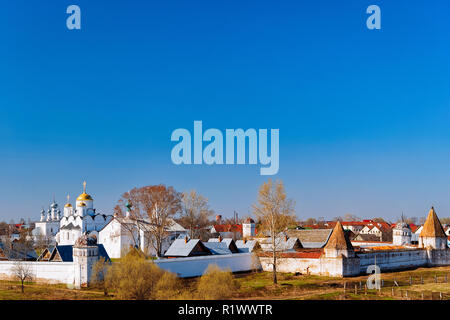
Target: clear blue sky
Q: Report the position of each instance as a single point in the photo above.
(363, 115)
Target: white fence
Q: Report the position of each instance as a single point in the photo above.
(196, 266)
(53, 272)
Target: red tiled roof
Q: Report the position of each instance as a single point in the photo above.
(228, 228)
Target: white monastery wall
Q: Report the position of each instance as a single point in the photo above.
(53, 272)
(304, 266)
(393, 259)
(196, 266)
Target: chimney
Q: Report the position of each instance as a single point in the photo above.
(218, 219)
(285, 237)
(185, 239)
(245, 240)
(220, 238)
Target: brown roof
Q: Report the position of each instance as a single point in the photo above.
(338, 240)
(432, 226)
(315, 235)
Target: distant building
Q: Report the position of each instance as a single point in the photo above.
(341, 257)
(48, 225)
(227, 231)
(248, 228)
(401, 234)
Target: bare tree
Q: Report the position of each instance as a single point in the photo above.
(195, 212)
(310, 221)
(351, 217)
(23, 272)
(276, 213)
(42, 242)
(152, 211)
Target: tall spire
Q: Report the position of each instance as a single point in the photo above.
(432, 226)
(84, 186)
(338, 240)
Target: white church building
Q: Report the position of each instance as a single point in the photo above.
(48, 226)
(80, 219)
(121, 233)
(117, 234)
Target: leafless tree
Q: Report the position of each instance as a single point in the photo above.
(195, 212)
(23, 272)
(276, 213)
(152, 209)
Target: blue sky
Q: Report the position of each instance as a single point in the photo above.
(363, 114)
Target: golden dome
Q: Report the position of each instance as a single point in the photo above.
(84, 196)
(68, 205)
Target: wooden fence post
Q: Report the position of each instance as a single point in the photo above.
(422, 295)
(356, 289)
(410, 280)
(393, 291)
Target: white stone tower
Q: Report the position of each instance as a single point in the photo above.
(432, 235)
(338, 244)
(85, 255)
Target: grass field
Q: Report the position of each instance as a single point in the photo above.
(260, 286)
(256, 286)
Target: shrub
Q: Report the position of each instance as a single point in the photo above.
(216, 284)
(168, 287)
(99, 271)
(133, 277)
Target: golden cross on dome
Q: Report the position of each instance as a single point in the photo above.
(68, 198)
(84, 187)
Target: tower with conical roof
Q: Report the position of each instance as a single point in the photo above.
(339, 244)
(432, 235)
